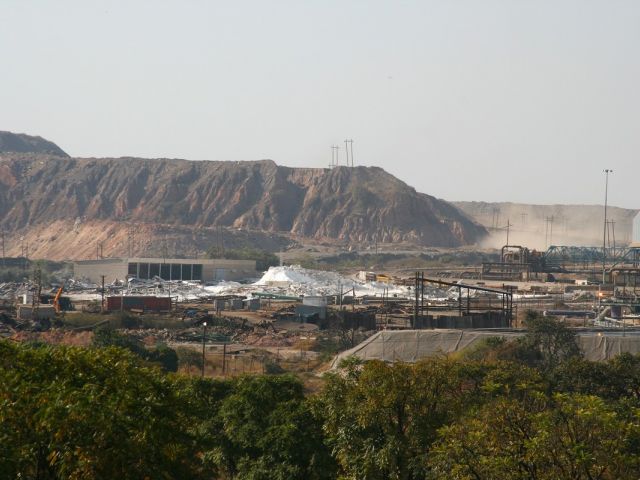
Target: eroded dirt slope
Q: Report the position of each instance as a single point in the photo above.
(358, 205)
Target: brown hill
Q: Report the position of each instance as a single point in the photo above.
(358, 205)
(19, 142)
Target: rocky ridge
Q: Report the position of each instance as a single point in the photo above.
(357, 206)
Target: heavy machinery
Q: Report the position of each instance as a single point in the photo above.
(56, 300)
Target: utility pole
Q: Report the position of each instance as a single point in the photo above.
(509, 225)
(523, 216)
(164, 250)
(606, 171)
(224, 358)
(204, 333)
(102, 295)
(25, 256)
(35, 300)
(346, 150)
(613, 233)
(351, 145)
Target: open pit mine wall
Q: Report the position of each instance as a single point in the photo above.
(83, 197)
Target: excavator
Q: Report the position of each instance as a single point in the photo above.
(56, 300)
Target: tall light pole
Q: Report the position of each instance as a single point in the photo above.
(606, 171)
(204, 331)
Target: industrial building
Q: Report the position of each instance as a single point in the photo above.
(204, 270)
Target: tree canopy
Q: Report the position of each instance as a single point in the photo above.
(532, 409)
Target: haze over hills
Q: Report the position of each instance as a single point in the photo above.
(538, 226)
(62, 207)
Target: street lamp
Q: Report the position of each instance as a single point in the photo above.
(606, 171)
(204, 332)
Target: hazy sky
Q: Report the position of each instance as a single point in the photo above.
(511, 100)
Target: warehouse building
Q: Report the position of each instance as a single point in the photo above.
(204, 270)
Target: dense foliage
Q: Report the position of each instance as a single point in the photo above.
(531, 409)
(18, 269)
(161, 354)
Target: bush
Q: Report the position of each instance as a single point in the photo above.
(272, 368)
(162, 355)
(127, 320)
(166, 357)
(188, 357)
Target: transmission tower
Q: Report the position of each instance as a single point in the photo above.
(334, 155)
(548, 239)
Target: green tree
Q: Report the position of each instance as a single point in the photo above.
(615, 379)
(76, 413)
(164, 356)
(565, 436)
(547, 342)
(269, 432)
(381, 419)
